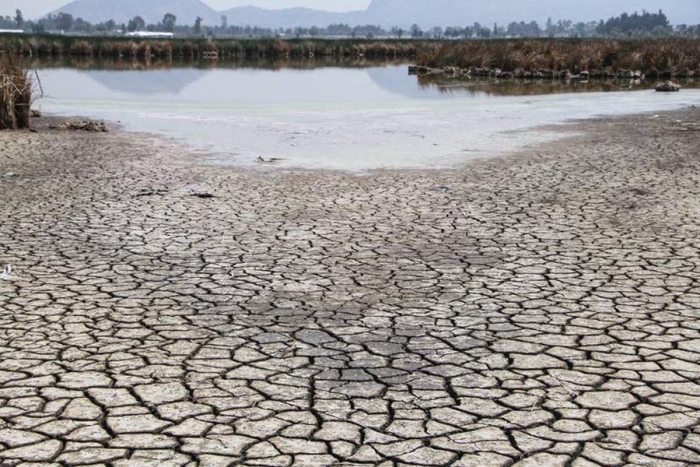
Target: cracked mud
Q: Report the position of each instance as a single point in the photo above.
(533, 310)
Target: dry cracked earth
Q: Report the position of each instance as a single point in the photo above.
(540, 309)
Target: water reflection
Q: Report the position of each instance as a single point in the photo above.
(389, 75)
(173, 77)
(172, 82)
(511, 87)
(83, 63)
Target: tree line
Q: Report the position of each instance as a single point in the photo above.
(643, 24)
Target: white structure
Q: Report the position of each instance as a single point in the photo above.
(11, 31)
(150, 35)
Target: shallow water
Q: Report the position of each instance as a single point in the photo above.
(331, 118)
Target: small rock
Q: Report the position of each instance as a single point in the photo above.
(667, 86)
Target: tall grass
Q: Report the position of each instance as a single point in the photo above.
(121, 47)
(15, 92)
(659, 57)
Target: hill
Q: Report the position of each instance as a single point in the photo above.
(465, 12)
(152, 11)
(386, 13)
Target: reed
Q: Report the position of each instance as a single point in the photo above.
(81, 48)
(656, 57)
(115, 47)
(15, 92)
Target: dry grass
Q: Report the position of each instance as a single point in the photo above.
(81, 48)
(654, 57)
(15, 92)
(114, 47)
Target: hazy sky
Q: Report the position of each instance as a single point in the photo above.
(330, 5)
(34, 8)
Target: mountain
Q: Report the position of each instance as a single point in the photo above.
(466, 12)
(152, 11)
(404, 13)
(386, 13)
(29, 9)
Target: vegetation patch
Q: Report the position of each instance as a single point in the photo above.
(48, 46)
(15, 92)
(562, 58)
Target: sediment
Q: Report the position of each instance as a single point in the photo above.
(533, 309)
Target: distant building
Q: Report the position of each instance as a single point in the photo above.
(150, 35)
(11, 31)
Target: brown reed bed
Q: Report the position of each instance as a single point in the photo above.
(15, 92)
(654, 57)
(120, 47)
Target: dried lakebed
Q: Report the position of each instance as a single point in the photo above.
(539, 309)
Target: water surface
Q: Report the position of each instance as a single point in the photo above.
(332, 118)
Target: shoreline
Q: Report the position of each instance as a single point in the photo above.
(307, 136)
(567, 132)
(539, 308)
